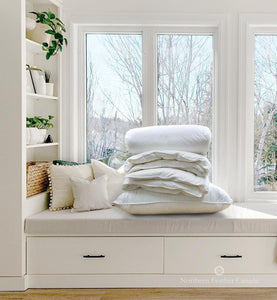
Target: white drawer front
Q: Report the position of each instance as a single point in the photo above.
(94, 255)
(214, 255)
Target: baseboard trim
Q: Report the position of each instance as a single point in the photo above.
(13, 284)
(150, 281)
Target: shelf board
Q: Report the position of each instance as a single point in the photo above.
(38, 96)
(33, 47)
(38, 196)
(42, 145)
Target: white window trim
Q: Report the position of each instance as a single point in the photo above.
(250, 24)
(195, 24)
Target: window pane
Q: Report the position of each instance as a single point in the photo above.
(265, 101)
(185, 79)
(114, 91)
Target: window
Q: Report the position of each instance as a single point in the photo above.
(257, 112)
(185, 79)
(114, 91)
(182, 65)
(265, 112)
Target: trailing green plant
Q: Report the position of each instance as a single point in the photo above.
(39, 122)
(47, 75)
(56, 29)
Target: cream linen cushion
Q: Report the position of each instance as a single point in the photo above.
(115, 178)
(90, 195)
(61, 195)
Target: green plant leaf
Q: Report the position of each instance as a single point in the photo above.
(45, 44)
(48, 55)
(49, 31)
(65, 40)
(59, 20)
(51, 15)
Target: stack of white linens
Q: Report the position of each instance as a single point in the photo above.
(169, 172)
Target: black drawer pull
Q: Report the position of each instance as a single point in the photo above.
(94, 256)
(231, 256)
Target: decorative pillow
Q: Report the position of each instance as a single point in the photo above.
(147, 202)
(90, 195)
(65, 163)
(115, 178)
(61, 196)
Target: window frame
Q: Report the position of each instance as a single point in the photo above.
(200, 24)
(250, 25)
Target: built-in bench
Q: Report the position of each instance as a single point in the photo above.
(111, 248)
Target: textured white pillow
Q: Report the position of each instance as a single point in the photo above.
(147, 202)
(90, 195)
(61, 196)
(115, 178)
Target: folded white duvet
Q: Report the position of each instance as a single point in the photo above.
(187, 161)
(190, 138)
(147, 202)
(167, 180)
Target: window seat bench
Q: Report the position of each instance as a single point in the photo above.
(110, 248)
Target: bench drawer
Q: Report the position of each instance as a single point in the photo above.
(94, 255)
(214, 255)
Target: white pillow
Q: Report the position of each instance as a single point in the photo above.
(190, 138)
(191, 162)
(61, 196)
(90, 195)
(166, 208)
(115, 178)
(167, 180)
(147, 202)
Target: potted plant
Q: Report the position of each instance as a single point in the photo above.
(49, 85)
(36, 130)
(54, 29)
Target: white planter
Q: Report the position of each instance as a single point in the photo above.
(38, 34)
(49, 88)
(30, 24)
(35, 136)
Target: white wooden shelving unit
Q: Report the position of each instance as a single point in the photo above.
(42, 105)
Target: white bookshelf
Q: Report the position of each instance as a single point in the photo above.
(33, 47)
(44, 145)
(42, 105)
(38, 96)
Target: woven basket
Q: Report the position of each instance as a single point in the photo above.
(37, 177)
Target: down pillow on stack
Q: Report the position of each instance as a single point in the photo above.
(167, 181)
(189, 138)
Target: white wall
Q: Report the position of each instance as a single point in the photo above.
(12, 112)
(90, 7)
(152, 12)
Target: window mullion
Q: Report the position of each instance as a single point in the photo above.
(149, 78)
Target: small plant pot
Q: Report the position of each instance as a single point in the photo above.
(38, 34)
(49, 88)
(35, 135)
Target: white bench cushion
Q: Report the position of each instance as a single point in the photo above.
(234, 219)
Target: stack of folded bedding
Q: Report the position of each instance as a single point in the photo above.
(169, 174)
